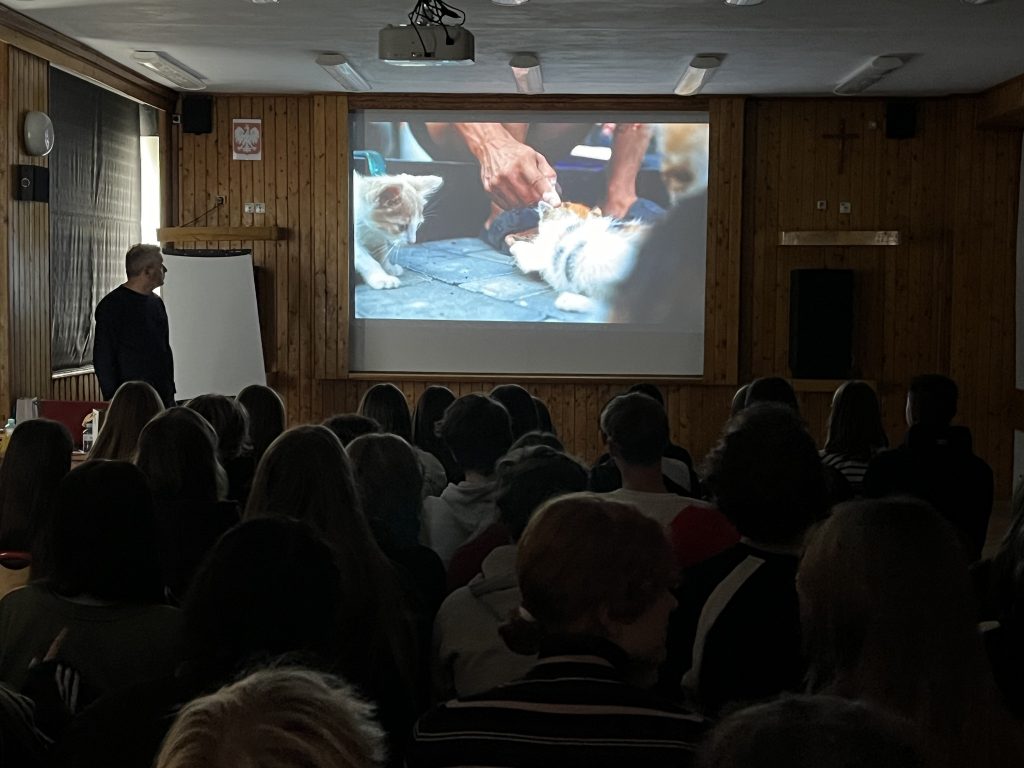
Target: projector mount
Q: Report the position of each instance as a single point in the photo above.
(433, 13)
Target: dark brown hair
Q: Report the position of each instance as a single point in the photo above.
(855, 422)
(386, 404)
(267, 418)
(178, 453)
(131, 408)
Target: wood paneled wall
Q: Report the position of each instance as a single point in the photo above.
(941, 301)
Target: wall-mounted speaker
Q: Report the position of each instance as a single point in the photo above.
(900, 119)
(197, 114)
(821, 323)
(32, 183)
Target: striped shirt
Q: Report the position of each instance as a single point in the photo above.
(850, 468)
(571, 709)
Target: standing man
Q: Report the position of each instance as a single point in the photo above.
(132, 335)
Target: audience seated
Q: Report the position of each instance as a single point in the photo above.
(736, 634)
(178, 454)
(429, 410)
(387, 475)
(133, 405)
(386, 404)
(544, 422)
(635, 431)
(271, 590)
(1000, 586)
(267, 418)
(306, 475)
(103, 594)
(469, 654)
(594, 607)
(520, 406)
(230, 421)
(771, 389)
(38, 456)
(348, 426)
(477, 430)
(676, 464)
(255, 722)
(855, 432)
(811, 732)
(888, 617)
(935, 463)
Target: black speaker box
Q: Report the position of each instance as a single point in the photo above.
(197, 114)
(900, 119)
(821, 323)
(32, 183)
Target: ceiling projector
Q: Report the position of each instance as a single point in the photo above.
(425, 45)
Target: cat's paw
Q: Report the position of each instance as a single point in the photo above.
(382, 281)
(393, 269)
(574, 302)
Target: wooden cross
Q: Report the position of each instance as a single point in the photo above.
(841, 137)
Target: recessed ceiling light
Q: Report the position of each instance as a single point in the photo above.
(698, 72)
(508, 2)
(526, 72)
(975, 2)
(263, 2)
(743, 2)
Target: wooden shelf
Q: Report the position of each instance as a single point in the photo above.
(168, 235)
(842, 237)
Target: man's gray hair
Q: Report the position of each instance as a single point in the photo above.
(140, 256)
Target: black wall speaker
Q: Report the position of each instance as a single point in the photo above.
(900, 119)
(197, 114)
(821, 323)
(32, 183)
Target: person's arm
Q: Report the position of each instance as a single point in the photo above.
(514, 174)
(629, 144)
(104, 351)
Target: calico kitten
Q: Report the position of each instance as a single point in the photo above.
(684, 159)
(387, 211)
(580, 253)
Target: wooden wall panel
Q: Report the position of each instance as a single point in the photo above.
(27, 239)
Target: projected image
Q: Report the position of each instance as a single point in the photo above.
(527, 218)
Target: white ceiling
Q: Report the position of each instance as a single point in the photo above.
(797, 47)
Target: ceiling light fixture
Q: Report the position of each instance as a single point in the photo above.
(975, 2)
(169, 69)
(508, 2)
(337, 66)
(697, 74)
(526, 71)
(743, 2)
(867, 75)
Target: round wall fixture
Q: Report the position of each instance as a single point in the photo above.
(38, 134)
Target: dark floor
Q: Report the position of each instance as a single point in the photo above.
(464, 279)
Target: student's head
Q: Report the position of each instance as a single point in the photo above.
(478, 432)
(306, 475)
(269, 587)
(590, 565)
(267, 416)
(519, 404)
(635, 428)
(229, 420)
(855, 422)
(544, 422)
(386, 404)
(348, 426)
(178, 453)
(429, 410)
(810, 732)
(131, 408)
(651, 390)
(931, 400)
(527, 477)
(390, 483)
(765, 474)
(276, 718)
(530, 439)
(739, 400)
(145, 263)
(771, 389)
(38, 456)
(887, 611)
(103, 539)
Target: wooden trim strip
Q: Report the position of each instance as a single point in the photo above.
(519, 378)
(547, 102)
(842, 237)
(219, 234)
(66, 52)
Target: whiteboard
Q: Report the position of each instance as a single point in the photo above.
(215, 328)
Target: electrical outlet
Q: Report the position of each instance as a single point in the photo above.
(249, 208)
(845, 208)
(821, 205)
(259, 208)
(219, 199)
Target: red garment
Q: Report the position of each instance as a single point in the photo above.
(698, 532)
(465, 563)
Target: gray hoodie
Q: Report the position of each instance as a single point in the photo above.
(462, 511)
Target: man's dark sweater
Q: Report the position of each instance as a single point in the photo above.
(133, 343)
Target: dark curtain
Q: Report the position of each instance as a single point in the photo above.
(95, 207)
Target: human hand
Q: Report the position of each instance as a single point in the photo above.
(516, 175)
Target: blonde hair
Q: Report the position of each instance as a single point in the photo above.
(131, 408)
(276, 718)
